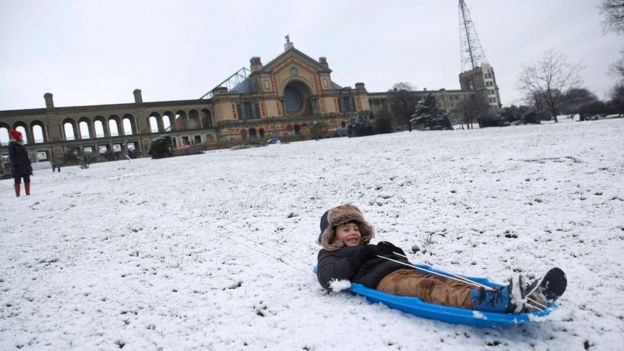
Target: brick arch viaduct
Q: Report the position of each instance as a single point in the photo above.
(119, 128)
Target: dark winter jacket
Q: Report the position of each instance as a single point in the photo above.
(344, 263)
(19, 159)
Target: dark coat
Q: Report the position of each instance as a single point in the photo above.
(344, 263)
(19, 160)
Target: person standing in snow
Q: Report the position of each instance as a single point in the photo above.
(347, 254)
(20, 162)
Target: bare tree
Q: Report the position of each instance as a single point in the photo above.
(613, 12)
(471, 108)
(402, 101)
(550, 79)
(403, 86)
(537, 103)
(616, 105)
(575, 98)
(618, 66)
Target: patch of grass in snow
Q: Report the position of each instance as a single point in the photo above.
(120, 343)
(493, 343)
(429, 240)
(260, 309)
(236, 285)
(510, 235)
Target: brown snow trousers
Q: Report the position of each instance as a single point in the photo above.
(428, 287)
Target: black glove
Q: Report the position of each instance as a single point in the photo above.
(368, 251)
(386, 248)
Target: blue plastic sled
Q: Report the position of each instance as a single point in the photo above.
(418, 307)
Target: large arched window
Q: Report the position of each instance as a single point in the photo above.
(166, 122)
(180, 120)
(112, 127)
(127, 125)
(4, 135)
(70, 133)
(206, 118)
(193, 120)
(153, 123)
(38, 136)
(296, 96)
(99, 128)
(84, 130)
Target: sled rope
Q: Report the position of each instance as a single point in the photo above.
(255, 248)
(537, 305)
(445, 275)
(456, 277)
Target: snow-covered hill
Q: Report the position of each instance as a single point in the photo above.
(215, 251)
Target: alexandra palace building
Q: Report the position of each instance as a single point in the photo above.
(280, 99)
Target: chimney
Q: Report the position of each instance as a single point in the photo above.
(138, 98)
(49, 101)
(219, 91)
(323, 62)
(255, 64)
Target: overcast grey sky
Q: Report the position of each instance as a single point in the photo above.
(89, 52)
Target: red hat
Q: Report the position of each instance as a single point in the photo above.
(15, 134)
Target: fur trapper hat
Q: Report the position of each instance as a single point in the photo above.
(340, 215)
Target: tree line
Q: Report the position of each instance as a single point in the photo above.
(552, 87)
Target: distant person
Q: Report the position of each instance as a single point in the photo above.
(53, 167)
(19, 162)
(84, 162)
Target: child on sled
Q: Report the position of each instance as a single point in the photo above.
(348, 255)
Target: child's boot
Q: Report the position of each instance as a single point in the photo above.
(27, 188)
(506, 299)
(544, 291)
(17, 190)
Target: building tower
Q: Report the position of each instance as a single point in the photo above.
(477, 74)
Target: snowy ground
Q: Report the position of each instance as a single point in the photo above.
(215, 251)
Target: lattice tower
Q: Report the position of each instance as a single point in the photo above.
(471, 52)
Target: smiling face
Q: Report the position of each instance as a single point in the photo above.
(349, 234)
